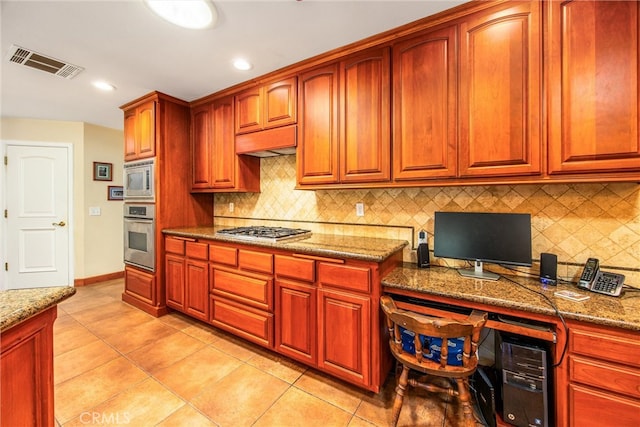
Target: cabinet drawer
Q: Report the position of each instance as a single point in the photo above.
(253, 290)
(252, 325)
(606, 376)
(593, 408)
(256, 261)
(174, 246)
(223, 255)
(609, 347)
(345, 277)
(295, 268)
(197, 250)
(141, 285)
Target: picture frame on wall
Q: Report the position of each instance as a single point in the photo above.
(115, 192)
(102, 171)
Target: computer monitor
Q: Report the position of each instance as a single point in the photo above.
(499, 238)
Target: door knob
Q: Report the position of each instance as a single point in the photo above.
(59, 224)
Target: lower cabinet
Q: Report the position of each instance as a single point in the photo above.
(320, 311)
(140, 291)
(187, 277)
(604, 376)
(26, 372)
(344, 335)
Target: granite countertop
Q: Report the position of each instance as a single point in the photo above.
(361, 248)
(621, 312)
(17, 305)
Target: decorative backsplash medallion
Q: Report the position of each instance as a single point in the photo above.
(574, 221)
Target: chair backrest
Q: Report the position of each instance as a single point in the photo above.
(434, 345)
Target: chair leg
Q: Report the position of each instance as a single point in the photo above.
(400, 389)
(465, 399)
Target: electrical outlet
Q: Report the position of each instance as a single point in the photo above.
(231, 207)
(360, 209)
(422, 237)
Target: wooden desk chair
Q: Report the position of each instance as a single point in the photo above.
(415, 343)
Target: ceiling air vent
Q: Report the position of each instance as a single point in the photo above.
(29, 58)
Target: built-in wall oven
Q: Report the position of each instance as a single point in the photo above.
(139, 235)
(139, 180)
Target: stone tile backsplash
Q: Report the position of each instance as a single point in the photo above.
(574, 221)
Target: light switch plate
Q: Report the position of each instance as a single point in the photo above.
(360, 209)
(94, 211)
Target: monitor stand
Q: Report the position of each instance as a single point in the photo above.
(477, 272)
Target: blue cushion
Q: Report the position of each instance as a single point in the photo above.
(431, 347)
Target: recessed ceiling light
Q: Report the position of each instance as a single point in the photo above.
(102, 85)
(242, 64)
(193, 14)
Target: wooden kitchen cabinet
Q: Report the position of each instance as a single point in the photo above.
(500, 105)
(267, 106)
(26, 372)
(345, 321)
(187, 277)
(318, 132)
(345, 124)
(604, 376)
(296, 308)
(593, 63)
(139, 131)
(215, 164)
(365, 111)
(425, 104)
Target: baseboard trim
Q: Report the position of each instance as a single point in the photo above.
(101, 278)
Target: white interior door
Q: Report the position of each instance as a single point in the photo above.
(38, 226)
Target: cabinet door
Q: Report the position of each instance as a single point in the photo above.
(130, 152)
(174, 281)
(591, 407)
(201, 143)
(296, 332)
(365, 145)
(146, 129)
(224, 153)
(424, 101)
(500, 91)
(197, 289)
(140, 285)
(594, 96)
(248, 111)
(280, 106)
(317, 153)
(344, 334)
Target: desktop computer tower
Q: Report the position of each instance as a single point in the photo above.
(523, 367)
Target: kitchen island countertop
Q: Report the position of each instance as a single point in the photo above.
(361, 248)
(18, 305)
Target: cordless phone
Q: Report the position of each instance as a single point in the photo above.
(598, 281)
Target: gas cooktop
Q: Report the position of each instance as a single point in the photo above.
(273, 234)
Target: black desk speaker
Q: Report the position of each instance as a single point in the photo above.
(423, 255)
(548, 269)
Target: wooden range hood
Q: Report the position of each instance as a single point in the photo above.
(268, 143)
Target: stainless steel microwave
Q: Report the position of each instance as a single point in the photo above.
(139, 179)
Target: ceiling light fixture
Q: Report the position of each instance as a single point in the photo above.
(192, 14)
(102, 85)
(242, 64)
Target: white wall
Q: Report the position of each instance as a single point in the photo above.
(97, 240)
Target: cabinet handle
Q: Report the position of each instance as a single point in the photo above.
(319, 258)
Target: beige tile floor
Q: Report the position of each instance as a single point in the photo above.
(116, 365)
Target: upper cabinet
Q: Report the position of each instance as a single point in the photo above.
(365, 112)
(265, 107)
(593, 87)
(139, 131)
(425, 86)
(215, 164)
(500, 91)
(344, 127)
